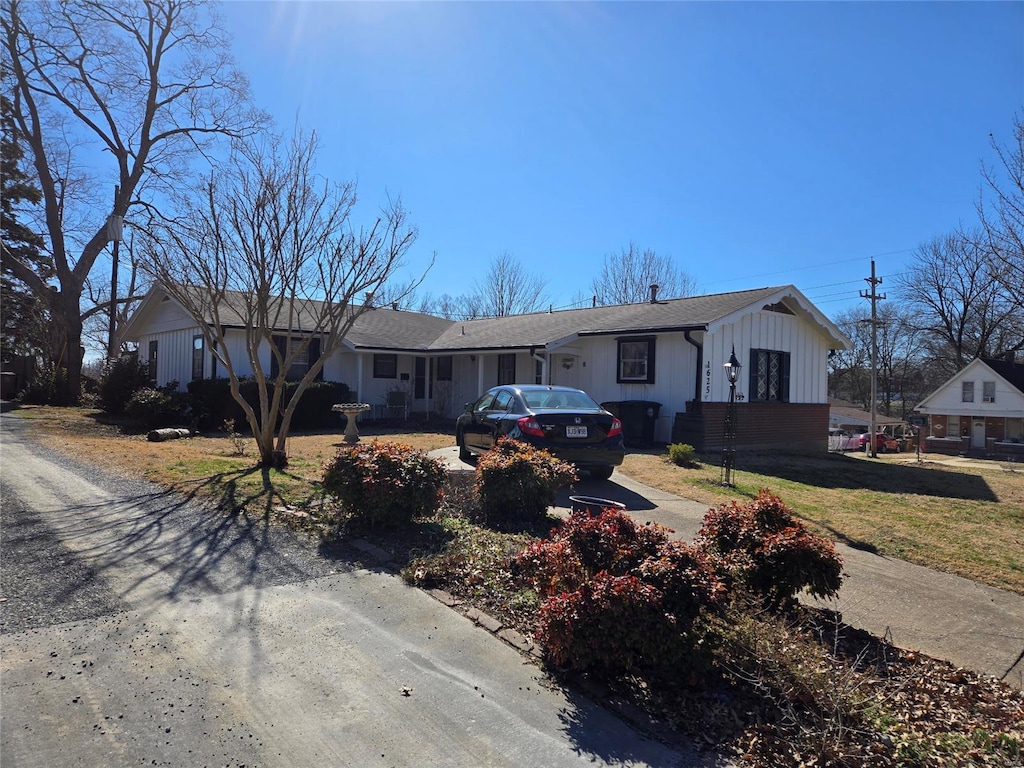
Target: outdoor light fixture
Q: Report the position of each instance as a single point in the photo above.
(732, 368)
(732, 372)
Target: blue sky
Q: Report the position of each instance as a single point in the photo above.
(754, 143)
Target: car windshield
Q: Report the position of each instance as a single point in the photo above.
(560, 400)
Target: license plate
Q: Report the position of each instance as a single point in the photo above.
(575, 431)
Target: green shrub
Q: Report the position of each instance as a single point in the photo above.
(48, 387)
(683, 455)
(384, 485)
(120, 380)
(154, 408)
(620, 597)
(761, 547)
(516, 480)
(213, 404)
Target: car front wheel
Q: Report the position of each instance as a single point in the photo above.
(464, 454)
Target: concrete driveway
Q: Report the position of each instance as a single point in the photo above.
(139, 628)
(947, 617)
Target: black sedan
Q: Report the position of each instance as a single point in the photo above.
(563, 421)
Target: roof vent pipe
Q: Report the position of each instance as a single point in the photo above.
(463, 330)
(654, 293)
(368, 298)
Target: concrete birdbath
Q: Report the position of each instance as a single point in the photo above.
(351, 410)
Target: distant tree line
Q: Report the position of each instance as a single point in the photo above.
(961, 298)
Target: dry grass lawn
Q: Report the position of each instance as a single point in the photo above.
(967, 520)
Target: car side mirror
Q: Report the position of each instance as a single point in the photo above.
(467, 407)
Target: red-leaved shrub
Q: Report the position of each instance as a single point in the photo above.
(762, 547)
(619, 596)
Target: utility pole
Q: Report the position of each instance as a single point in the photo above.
(874, 298)
(115, 226)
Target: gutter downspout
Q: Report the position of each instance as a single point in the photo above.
(700, 364)
(545, 370)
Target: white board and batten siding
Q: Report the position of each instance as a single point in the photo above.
(172, 328)
(775, 331)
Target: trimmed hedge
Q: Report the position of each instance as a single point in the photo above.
(213, 404)
(515, 480)
(383, 484)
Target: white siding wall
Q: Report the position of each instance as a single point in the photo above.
(808, 376)
(173, 356)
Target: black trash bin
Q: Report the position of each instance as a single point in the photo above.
(638, 418)
(612, 406)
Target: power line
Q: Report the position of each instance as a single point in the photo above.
(813, 266)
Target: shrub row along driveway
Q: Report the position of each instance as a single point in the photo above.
(945, 616)
(138, 627)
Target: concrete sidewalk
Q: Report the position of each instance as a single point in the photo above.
(947, 617)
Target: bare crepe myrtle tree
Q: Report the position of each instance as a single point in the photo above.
(626, 277)
(107, 95)
(268, 250)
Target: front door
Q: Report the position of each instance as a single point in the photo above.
(422, 383)
(978, 434)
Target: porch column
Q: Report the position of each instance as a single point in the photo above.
(359, 376)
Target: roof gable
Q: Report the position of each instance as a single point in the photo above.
(1012, 374)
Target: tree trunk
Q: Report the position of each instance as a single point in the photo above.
(67, 353)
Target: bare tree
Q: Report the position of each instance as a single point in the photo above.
(1002, 213)
(110, 95)
(965, 312)
(507, 290)
(269, 251)
(902, 381)
(627, 277)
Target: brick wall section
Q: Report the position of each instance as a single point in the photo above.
(994, 427)
(787, 426)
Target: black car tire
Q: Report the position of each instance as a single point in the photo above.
(464, 454)
(601, 473)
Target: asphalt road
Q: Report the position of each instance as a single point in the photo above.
(138, 628)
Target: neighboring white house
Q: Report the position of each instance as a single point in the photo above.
(979, 410)
(669, 352)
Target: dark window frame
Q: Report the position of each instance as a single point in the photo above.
(154, 349)
(504, 368)
(198, 356)
(967, 392)
(445, 365)
(769, 383)
(385, 365)
(648, 359)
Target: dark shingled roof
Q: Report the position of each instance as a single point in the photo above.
(540, 328)
(1011, 371)
(386, 328)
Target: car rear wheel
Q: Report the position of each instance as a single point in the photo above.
(464, 454)
(601, 473)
